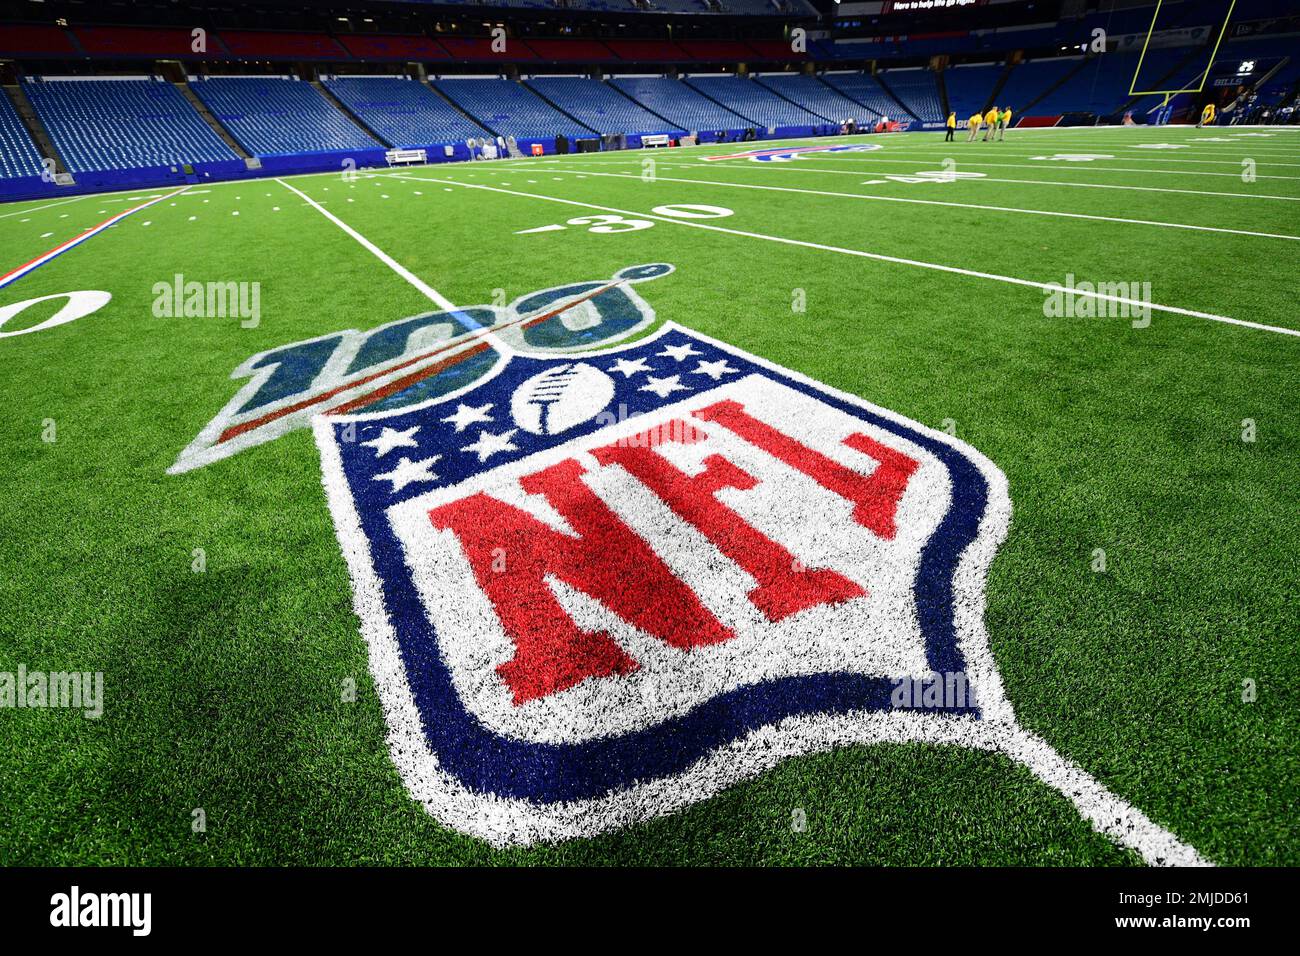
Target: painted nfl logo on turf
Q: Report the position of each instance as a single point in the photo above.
(599, 587)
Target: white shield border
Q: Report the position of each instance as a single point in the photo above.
(503, 821)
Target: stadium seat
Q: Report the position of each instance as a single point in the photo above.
(1026, 83)
(816, 97)
(599, 106)
(508, 108)
(272, 116)
(679, 103)
(916, 88)
(861, 88)
(18, 154)
(102, 124)
(402, 112)
(753, 101)
(969, 86)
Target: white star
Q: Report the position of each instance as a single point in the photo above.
(678, 352)
(629, 367)
(489, 444)
(715, 370)
(663, 386)
(391, 438)
(467, 415)
(408, 471)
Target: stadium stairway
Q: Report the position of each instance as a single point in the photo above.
(35, 128)
(680, 104)
(1027, 108)
(999, 86)
(458, 108)
(343, 108)
(902, 107)
(201, 108)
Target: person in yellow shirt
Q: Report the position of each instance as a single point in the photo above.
(1004, 121)
(952, 127)
(974, 124)
(1207, 116)
(990, 121)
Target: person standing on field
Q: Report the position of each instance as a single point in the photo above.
(991, 121)
(1207, 116)
(974, 124)
(952, 127)
(1004, 121)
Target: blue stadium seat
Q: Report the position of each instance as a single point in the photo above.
(599, 105)
(754, 101)
(816, 97)
(402, 112)
(863, 89)
(679, 103)
(969, 87)
(508, 108)
(123, 124)
(1100, 87)
(916, 88)
(272, 116)
(18, 154)
(1028, 81)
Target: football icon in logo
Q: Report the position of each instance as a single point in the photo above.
(560, 398)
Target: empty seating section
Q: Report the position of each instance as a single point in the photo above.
(403, 113)
(266, 46)
(21, 38)
(1177, 69)
(1100, 87)
(646, 51)
(863, 89)
(599, 105)
(123, 124)
(1027, 82)
(405, 48)
(754, 101)
(917, 89)
(272, 116)
(716, 51)
(775, 51)
(814, 95)
(679, 104)
(480, 49)
(570, 51)
(18, 154)
(509, 109)
(132, 41)
(969, 87)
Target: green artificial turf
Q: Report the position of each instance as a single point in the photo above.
(223, 688)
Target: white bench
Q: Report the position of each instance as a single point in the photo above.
(395, 156)
(655, 139)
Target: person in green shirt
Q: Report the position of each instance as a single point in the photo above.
(1004, 120)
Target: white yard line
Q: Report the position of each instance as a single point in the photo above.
(1139, 157)
(51, 205)
(428, 291)
(1056, 166)
(937, 267)
(795, 167)
(955, 205)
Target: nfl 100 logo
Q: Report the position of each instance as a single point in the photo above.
(599, 586)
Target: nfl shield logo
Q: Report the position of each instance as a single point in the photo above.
(599, 587)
